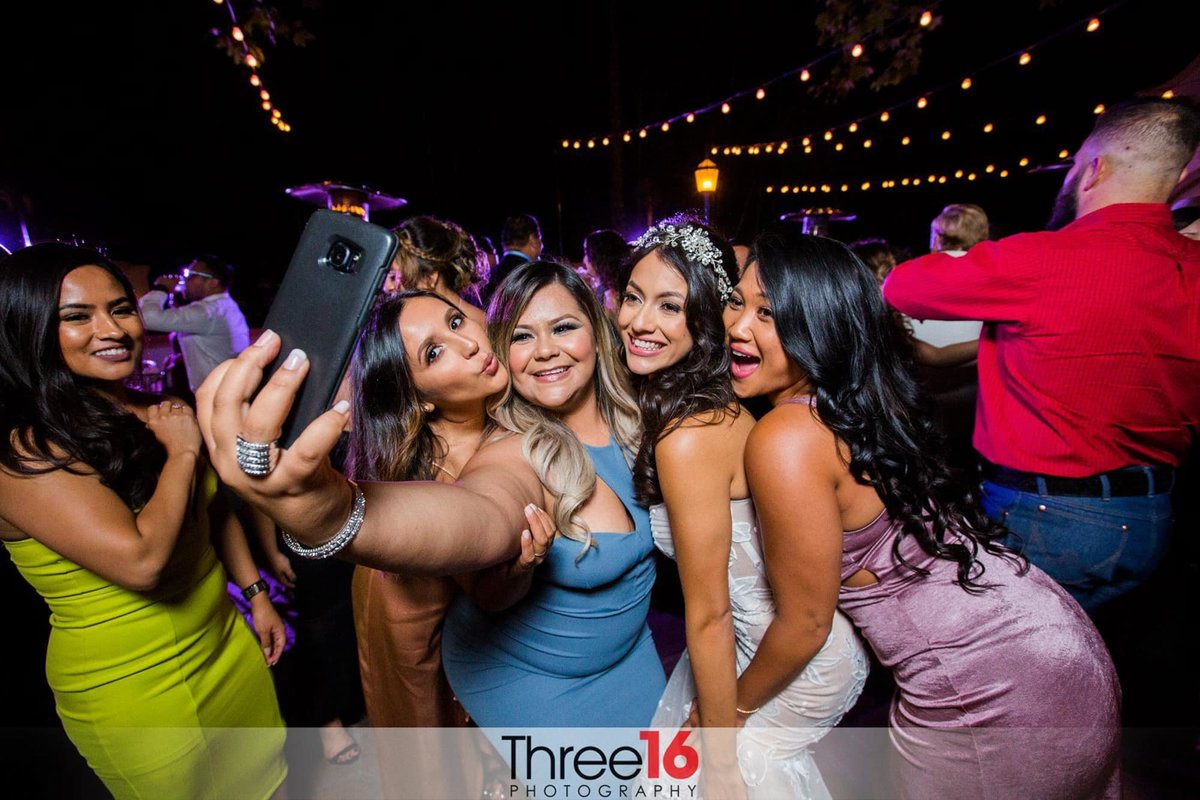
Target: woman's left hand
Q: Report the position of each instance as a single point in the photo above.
(535, 540)
(268, 625)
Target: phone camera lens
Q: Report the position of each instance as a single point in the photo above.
(341, 257)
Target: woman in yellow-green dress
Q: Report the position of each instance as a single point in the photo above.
(104, 501)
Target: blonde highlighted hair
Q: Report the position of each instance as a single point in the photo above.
(551, 448)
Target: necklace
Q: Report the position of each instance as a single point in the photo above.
(443, 469)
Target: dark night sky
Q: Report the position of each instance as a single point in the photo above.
(123, 124)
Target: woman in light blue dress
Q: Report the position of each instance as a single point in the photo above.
(575, 651)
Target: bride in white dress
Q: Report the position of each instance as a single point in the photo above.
(690, 470)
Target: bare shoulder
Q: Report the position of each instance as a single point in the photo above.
(699, 436)
(792, 434)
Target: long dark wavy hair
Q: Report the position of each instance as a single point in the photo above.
(833, 324)
(697, 384)
(50, 418)
(391, 439)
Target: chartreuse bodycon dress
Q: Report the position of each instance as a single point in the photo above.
(165, 692)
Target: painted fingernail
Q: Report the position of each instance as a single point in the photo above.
(294, 359)
(526, 535)
(342, 406)
(529, 509)
(264, 337)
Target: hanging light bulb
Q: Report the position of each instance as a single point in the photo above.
(922, 102)
(666, 126)
(604, 141)
(691, 117)
(945, 135)
(770, 189)
(867, 143)
(591, 143)
(866, 185)
(958, 173)
(828, 135)
(251, 61)
(724, 108)
(1168, 94)
(990, 168)
(760, 94)
(989, 128)
(237, 34)
(884, 117)
(838, 147)
(856, 51)
(804, 75)
(1041, 120)
(1025, 58)
(807, 150)
(575, 144)
(627, 137)
(1024, 162)
(642, 133)
(1099, 109)
(784, 189)
(264, 95)
(926, 18)
(714, 151)
(1003, 173)
(1093, 25)
(1064, 153)
(255, 80)
(966, 83)
(905, 141)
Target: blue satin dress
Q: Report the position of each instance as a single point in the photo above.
(576, 651)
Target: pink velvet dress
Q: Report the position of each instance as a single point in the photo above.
(1005, 693)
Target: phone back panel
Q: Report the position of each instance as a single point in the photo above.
(331, 283)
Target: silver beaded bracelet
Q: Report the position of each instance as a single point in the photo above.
(358, 512)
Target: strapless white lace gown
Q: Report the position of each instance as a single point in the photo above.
(774, 746)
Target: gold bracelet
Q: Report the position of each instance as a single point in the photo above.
(744, 711)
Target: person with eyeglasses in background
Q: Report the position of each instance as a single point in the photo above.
(211, 326)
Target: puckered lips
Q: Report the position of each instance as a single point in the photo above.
(743, 362)
(490, 365)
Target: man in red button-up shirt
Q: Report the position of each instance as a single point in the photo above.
(1089, 361)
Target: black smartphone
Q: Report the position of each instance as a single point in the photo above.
(326, 294)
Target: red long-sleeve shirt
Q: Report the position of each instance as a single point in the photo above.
(1089, 360)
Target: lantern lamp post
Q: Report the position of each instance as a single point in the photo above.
(706, 183)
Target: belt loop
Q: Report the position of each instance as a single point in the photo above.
(1105, 487)
(1149, 473)
(1041, 485)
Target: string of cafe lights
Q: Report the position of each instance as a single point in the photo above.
(991, 170)
(810, 140)
(252, 64)
(759, 91)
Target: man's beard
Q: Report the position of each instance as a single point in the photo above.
(1065, 204)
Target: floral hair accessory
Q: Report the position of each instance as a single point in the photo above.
(696, 246)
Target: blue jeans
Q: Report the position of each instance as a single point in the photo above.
(1097, 548)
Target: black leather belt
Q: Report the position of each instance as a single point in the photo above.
(1127, 482)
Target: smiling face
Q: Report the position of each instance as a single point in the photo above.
(652, 317)
(99, 328)
(552, 353)
(448, 355)
(760, 367)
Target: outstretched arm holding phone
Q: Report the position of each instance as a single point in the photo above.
(419, 527)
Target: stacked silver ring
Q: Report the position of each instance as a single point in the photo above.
(257, 458)
(358, 512)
